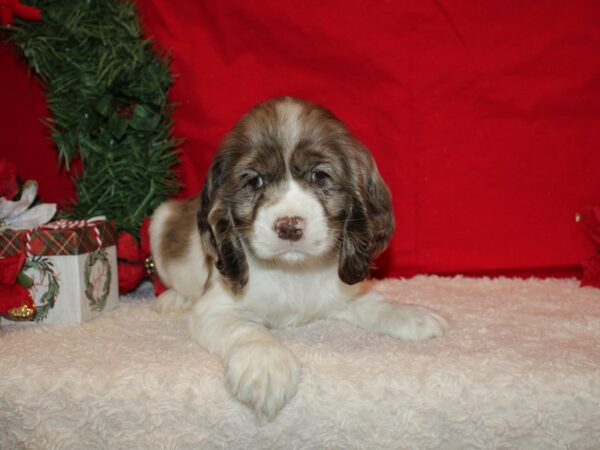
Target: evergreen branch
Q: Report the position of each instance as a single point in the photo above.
(107, 95)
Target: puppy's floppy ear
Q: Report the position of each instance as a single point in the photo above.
(217, 228)
(369, 221)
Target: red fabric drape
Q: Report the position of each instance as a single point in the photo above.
(484, 117)
(24, 138)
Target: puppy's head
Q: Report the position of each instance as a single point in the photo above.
(291, 184)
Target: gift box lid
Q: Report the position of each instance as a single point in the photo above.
(61, 237)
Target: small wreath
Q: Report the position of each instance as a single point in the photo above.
(46, 269)
(97, 303)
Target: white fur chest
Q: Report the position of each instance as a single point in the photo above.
(284, 295)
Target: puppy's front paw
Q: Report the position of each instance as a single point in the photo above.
(262, 375)
(415, 323)
(171, 302)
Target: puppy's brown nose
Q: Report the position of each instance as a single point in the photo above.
(289, 228)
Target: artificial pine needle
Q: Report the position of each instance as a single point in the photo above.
(91, 54)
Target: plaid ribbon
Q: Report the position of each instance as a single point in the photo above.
(61, 237)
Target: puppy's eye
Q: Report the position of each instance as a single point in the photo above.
(319, 177)
(255, 182)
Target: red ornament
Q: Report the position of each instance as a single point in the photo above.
(10, 8)
(15, 300)
(135, 260)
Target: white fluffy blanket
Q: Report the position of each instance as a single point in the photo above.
(520, 369)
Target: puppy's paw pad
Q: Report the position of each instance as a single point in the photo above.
(416, 323)
(171, 302)
(263, 376)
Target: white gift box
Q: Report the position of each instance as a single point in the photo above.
(70, 270)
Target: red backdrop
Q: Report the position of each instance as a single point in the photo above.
(484, 117)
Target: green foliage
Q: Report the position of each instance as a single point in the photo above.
(107, 94)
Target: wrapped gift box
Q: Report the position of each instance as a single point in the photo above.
(70, 270)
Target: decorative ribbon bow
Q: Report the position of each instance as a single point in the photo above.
(16, 303)
(135, 261)
(10, 8)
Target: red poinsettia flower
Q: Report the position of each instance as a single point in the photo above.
(134, 260)
(8, 179)
(131, 266)
(11, 8)
(15, 300)
(10, 266)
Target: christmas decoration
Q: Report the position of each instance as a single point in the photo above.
(589, 219)
(131, 257)
(135, 260)
(16, 303)
(43, 270)
(20, 214)
(70, 269)
(107, 95)
(97, 294)
(11, 8)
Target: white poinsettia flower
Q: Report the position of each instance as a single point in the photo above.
(17, 215)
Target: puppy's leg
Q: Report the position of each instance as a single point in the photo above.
(259, 371)
(178, 254)
(370, 311)
(171, 302)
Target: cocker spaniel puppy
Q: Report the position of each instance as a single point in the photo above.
(290, 217)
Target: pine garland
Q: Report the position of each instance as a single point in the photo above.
(107, 95)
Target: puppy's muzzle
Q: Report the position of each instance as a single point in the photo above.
(289, 228)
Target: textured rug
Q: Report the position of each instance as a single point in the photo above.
(519, 369)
